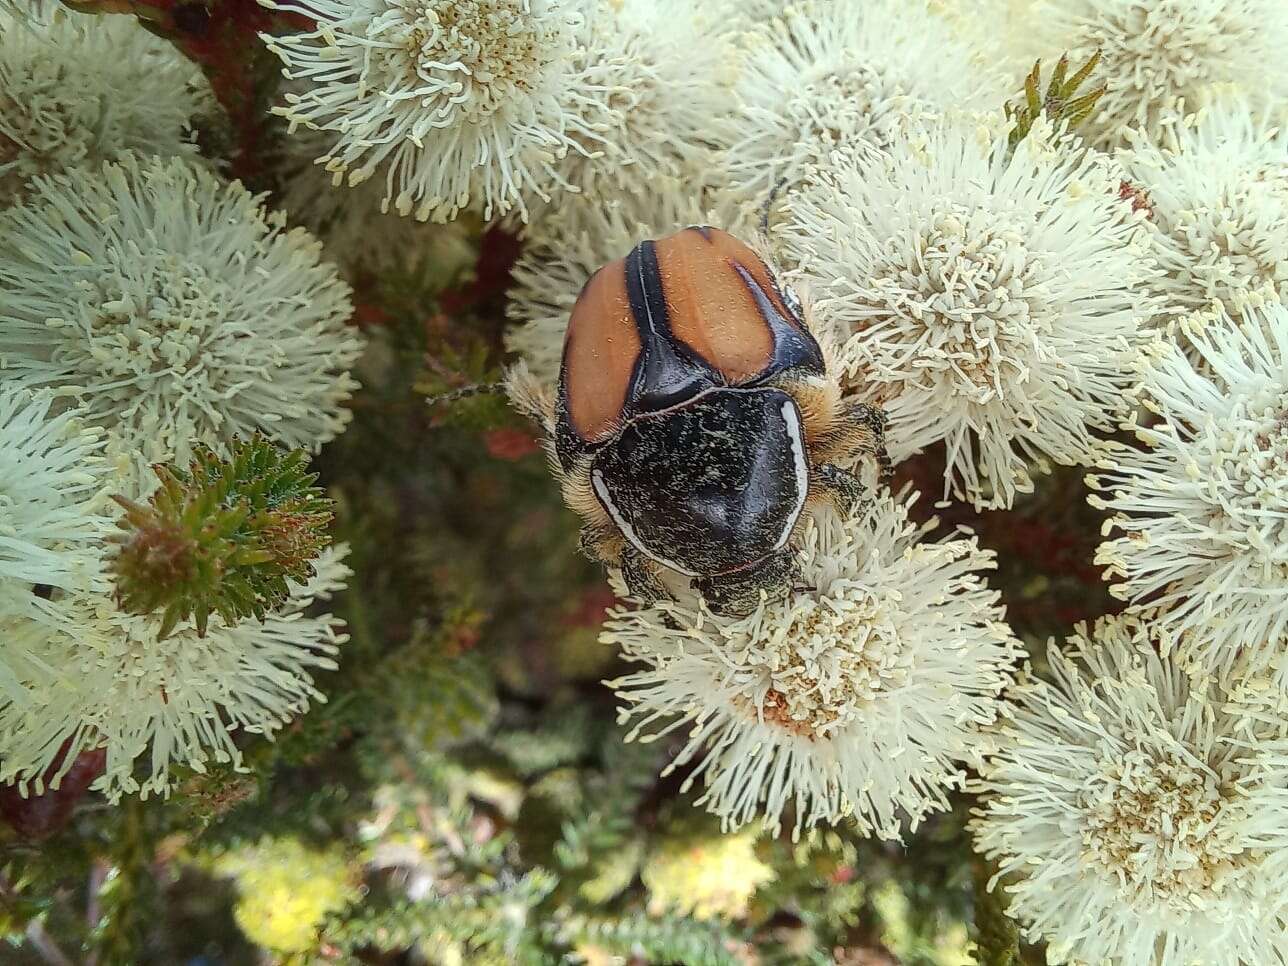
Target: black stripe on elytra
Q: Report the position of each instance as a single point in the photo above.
(667, 371)
(645, 294)
(793, 349)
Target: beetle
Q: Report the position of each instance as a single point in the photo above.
(697, 417)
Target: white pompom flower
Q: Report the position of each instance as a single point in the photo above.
(1136, 815)
(1161, 60)
(79, 90)
(1201, 505)
(857, 697)
(52, 497)
(458, 103)
(665, 69)
(565, 249)
(827, 76)
(53, 518)
(1218, 209)
(105, 680)
(175, 308)
(992, 303)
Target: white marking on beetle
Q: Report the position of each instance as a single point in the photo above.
(601, 491)
(643, 277)
(793, 302)
(795, 433)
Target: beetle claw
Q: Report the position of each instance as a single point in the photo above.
(641, 581)
(589, 542)
(846, 489)
(874, 420)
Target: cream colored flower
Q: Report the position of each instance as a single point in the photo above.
(1164, 59)
(665, 70)
(368, 243)
(992, 302)
(104, 679)
(1218, 209)
(1201, 504)
(1136, 817)
(175, 308)
(1001, 32)
(79, 90)
(740, 14)
(848, 76)
(457, 103)
(856, 697)
(52, 522)
(52, 497)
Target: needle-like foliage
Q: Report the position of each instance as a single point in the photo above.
(1061, 102)
(222, 537)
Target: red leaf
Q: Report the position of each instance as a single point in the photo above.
(510, 444)
(39, 816)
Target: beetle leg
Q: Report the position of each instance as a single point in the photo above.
(874, 420)
(855, 429)
(591, 542)
(641, 581)
(845, 488)
(739, 593)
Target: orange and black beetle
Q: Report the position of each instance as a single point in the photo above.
(697, 417)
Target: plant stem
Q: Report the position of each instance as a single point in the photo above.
(997, 937)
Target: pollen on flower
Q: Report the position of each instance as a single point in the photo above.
(857, 697)
(1201, 505)
(972, 315)
(458, 102)
(498, 53)
(814, 686)
(1155, 824)
(1134, 808)
(1161, 60)
(176, 308)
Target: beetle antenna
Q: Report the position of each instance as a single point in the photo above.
(769, 203)
(465, 392)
